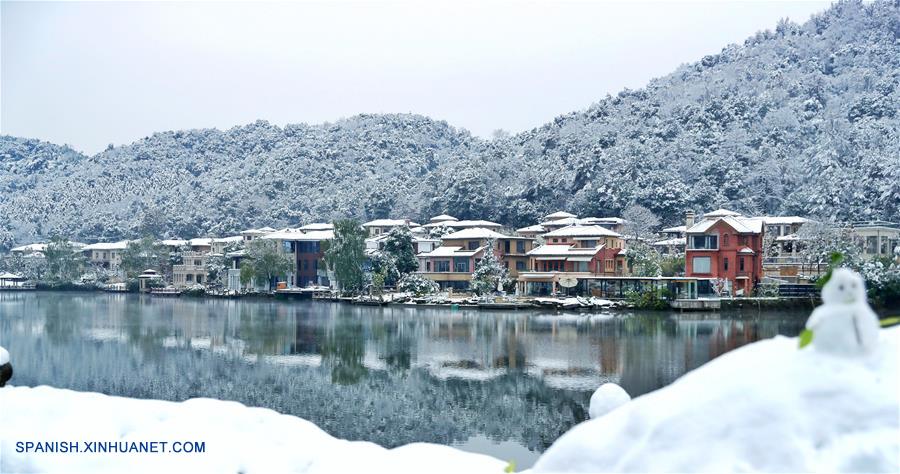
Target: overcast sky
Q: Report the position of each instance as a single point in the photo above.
(90, 74)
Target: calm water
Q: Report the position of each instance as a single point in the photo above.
(504, 383)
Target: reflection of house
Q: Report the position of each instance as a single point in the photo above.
(877, 239)
(192, 270)
(728, 247)
(105, 254)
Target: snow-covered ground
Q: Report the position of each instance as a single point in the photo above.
(767, 407)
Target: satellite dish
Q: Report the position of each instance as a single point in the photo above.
(567, 281)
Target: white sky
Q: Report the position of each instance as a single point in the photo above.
(90, 74)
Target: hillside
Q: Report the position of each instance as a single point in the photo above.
(800, 120)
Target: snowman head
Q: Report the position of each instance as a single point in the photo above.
(844, 287)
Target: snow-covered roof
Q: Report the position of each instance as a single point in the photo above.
(30, 248)
(10, 276)
(121, 245)
(746, 251)
(316, 235)
(317, 226)
(582, 231)
(603, 220)
(787, 238)
(390, 223)
(173, 242)
(671, 242)
(200, 242)
(474, 233)
(721, 212)
(442, 218)
(234, 238)
(677, 228)
(563, 221)
(558, 215)
(742, 225)
(260, 231)
(537, 228)
(784, 220)
(298, 235)
(563, 251)
(451, 251)
(474, 223)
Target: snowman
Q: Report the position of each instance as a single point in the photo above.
(6, 371)
(844, 324)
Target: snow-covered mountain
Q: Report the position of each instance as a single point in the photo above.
(800, 120)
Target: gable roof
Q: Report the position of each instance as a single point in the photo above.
(442, 218)
(317, 226)
(390, 223)
(452, 251)
(537, 228)
(558, 215)
(741, 225)
(721, 212)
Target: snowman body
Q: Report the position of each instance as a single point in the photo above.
(844, 324)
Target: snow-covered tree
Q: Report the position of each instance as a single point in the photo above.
(489, 274)
(346, 254)
(399, 245)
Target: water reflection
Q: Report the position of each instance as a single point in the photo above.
(388, 375)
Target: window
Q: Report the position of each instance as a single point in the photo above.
(884, 246)
(725, 240)
(442, 266)
(473, 244)
(610, 265)
(520, 246)
(189, 277)
(199, 278)
(701, 264)
(506, 246)
(742, 240)
(427, 266)
(872, 245)
(588, 243)
(555, 240)
(704, 242)
(581, 266)
(461, 265)
(726, 261)
(520, 265)
(197, 263)
(741, 264)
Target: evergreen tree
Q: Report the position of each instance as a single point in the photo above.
(489, 272)
(399, 245)
(265, 262)
(346, 254)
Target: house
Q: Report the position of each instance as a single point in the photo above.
(253, 234)
(442, 220)
(725, 247)
(148, 279)
(40, 248)
(383, 226)
(783, 225)
(308, 255)
(105, 254)
(202, 244)
(570, 253)
(532, 231)
(219, 245)
(191, 271)
(673, 241)
(877, 239)
(451, 265)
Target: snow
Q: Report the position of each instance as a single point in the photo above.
(767, 406)
(474, 233)
(121, 245)
(238, 438)
(607, 398)
(582, 231)
(4, 356)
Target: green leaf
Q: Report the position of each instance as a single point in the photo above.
(890, 321)
(805, 338)
(511, 467)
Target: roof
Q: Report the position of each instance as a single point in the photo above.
(317, 226)
(742, 225)
(121, 245)
(298, 235)
(449, 251)
(671, 242)
(260, 231)
(721, 212)
(390, 223)
(603, 220)
(234, 238)
(564, 251)
(201, 241)
(677, 228)
(746, 250)
(442, 218)
(10, 276)
(173, 242)
(783, 220)
(474, 223)
(558, 215)
(787, 238)
(30, 248)
(537, 228)
(563, 221)
(582, 231)
(474, 233)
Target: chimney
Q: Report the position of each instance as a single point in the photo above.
(689, 219)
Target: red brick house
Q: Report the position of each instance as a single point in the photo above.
(729, 248)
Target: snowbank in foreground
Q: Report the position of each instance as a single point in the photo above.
(765, 407)
(237, 438)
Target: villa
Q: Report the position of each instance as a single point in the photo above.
(726, 246)
(105, 254)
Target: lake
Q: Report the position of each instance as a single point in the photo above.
(503, 383)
